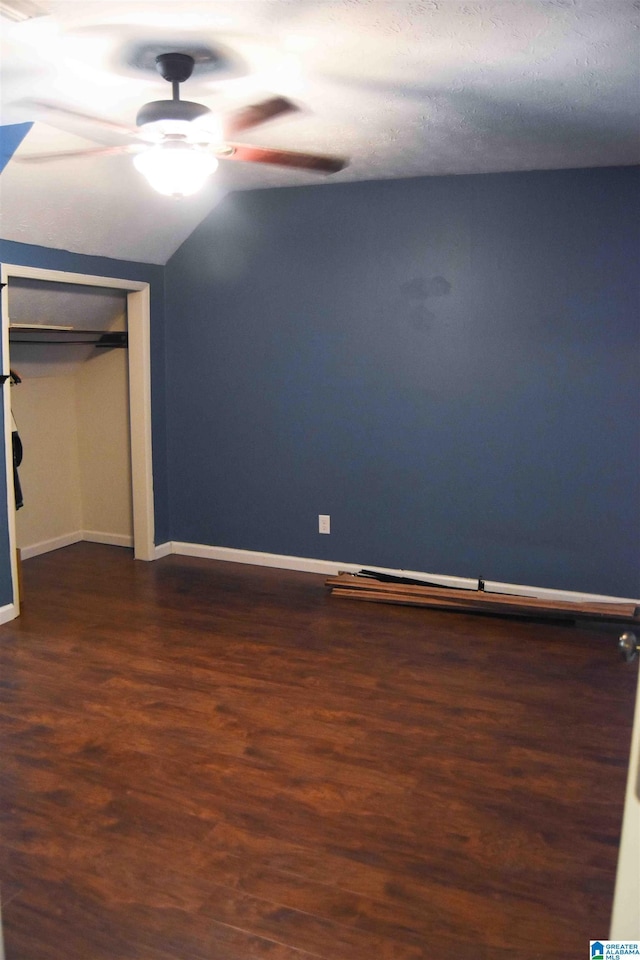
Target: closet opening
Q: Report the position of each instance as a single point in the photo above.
(76, 359)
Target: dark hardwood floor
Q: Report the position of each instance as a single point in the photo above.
(208, 761)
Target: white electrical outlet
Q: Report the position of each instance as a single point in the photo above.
(324, 523)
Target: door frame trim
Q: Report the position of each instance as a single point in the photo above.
(139, 366)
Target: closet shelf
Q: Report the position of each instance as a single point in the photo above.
(106, 340)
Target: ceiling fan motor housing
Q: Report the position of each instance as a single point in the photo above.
(185, 110)
(175, 67)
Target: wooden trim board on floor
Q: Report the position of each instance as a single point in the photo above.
(477, 601)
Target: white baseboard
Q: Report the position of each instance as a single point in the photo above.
(92, 536)
(282, 561)
(114, 539)
(331, 567)
(45, 546)
(163, 550)
(9, 612)
(547, 593)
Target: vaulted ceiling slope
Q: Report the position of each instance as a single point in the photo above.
(403, 89)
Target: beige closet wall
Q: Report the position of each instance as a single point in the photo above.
(76, 471)
(102, 411)
(45, 413)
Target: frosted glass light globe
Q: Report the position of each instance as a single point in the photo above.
(176, 168)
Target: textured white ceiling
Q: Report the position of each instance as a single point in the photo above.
(422, 87)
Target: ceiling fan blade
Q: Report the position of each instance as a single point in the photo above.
(69, 154)
(43, 106)
(286, 158)
(257, 113)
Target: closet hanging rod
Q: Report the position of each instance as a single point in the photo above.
(99, 338)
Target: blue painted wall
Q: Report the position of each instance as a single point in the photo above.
(35, 256)
(447, 366)
(11, 136)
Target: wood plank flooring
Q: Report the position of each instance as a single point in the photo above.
(209, 761)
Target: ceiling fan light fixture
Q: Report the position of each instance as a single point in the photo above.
(176, 168)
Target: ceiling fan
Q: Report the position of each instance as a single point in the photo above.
(180, 142)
